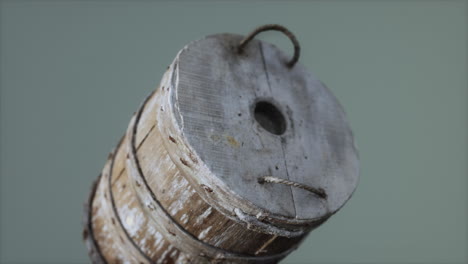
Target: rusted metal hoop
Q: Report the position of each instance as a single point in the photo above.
(289, 34)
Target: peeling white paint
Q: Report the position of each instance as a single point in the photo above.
(203, 216)
(184, 219)
(204, 233)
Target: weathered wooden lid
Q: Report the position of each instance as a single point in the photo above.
(246, 115)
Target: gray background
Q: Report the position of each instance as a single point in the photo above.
(73, 72)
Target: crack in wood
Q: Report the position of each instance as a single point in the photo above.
(282, 147)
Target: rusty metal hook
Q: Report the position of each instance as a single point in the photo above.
(289, 34)
(317, 191)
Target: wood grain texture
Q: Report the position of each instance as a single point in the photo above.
(187, 208)
(212, 93)
(182, 185)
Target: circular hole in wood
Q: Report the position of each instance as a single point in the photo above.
(270, 117)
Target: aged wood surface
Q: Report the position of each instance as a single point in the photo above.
(211, 94)
(183, 184)
(186, 206)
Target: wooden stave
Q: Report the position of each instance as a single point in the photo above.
(98, 240)
(149, 198)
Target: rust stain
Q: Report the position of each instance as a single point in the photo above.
(215, 138)
(232, 141)
(208, 189)
(193, 158)
(172, 139)
(149, 242)
(170, 232)
(184, 162)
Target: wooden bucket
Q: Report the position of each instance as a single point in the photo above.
(235, 158)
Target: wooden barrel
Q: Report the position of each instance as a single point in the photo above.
(235, 158)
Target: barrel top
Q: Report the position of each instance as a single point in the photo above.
(247, 116)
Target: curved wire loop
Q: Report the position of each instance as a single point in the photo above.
(276, 27)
